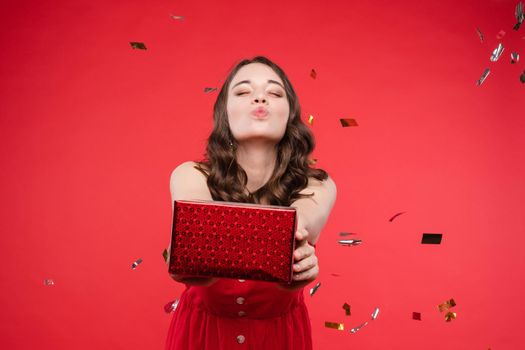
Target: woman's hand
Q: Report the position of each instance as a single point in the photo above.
(306, 266)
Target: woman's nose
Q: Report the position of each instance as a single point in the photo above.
(259, 97)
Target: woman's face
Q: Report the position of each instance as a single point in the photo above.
(256, 87)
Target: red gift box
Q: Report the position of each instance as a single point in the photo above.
(233, 240)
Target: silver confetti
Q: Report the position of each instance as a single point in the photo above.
(354, 330)
(514, 57)
(49, 282)
(348, 242)
(375, 313)
(480, 34)
(483, 76)
(497, 52)
(177, 17)
(519, 15)
(315, 288)
(136, 263)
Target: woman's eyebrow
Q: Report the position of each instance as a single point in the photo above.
(269, 81)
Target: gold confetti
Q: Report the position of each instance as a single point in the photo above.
(450, 316)
(346, 307)
(312, 161)
(165, 255)
(315, 288)
(137, 45)
(446, 305)
(431, 238)
(348, 122)
(311, 120)
(209, 89)
(335, 325)
(313, 74)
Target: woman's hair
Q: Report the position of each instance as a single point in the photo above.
(227, 180)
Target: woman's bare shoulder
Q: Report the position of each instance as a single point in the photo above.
(187, 182)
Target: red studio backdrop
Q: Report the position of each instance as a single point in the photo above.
(91, 129)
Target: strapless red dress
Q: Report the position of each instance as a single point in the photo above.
(240, 314)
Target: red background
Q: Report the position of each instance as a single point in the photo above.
(91, 130)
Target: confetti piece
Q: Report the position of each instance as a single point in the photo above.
(519, 15)
(335, 325)
(346, 233)
(354, 330)
(416, 316)
(335, 274)
(450, 316)
(136, 45)
(483, 76)
(348, 122)
(177, 17)
(375, 313)
(395, 216)
(446, 305)
(346, 307)
(501, 34)
(497, 52)
(480, 34)
(431, 238)
(136, 263)
(49, 282)
(311, 119)
(522, 77)
(312, 161)
(171, 306)
(209, 89)
(315, 288)
(514, 57)
(349, 242)
(313, 74)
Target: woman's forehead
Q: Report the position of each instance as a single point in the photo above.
(256, 73)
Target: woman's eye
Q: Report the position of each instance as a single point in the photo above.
(240, 93)
(277, 94)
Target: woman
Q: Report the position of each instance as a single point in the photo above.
(257, 153)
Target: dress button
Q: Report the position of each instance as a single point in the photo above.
(240, 339)
(242, 281)
(242, 313)
(240, 300)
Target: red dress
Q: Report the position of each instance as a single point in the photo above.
(237, 314)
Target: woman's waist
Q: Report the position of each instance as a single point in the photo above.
(249, 300)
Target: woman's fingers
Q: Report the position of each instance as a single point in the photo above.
(309, 274)
(305, 264)
(304, 250)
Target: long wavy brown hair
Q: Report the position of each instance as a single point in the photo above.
(227, 180)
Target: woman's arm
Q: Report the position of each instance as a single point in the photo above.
(315, 210)
(188, 183)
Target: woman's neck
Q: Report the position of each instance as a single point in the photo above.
(258, 161)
